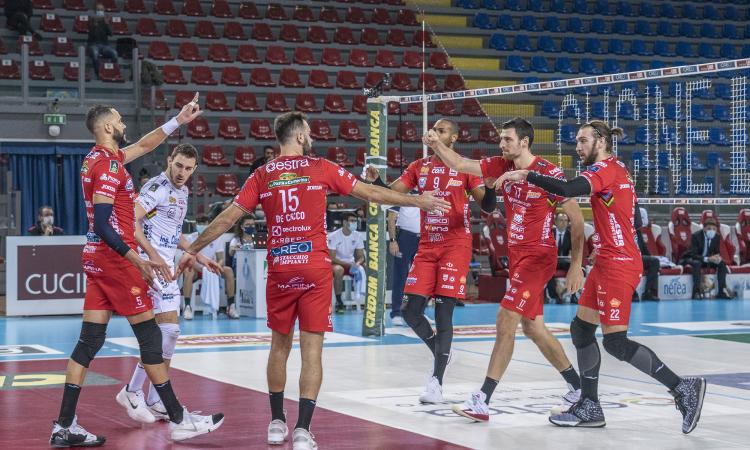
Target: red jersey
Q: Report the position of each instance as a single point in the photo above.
(292, 191)
(103, 173)
(430, 174)
(529, 210)
(613, 204)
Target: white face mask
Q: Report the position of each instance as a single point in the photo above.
(352, 226)
(99, 13)
(200, 228)
(48, 220)
(710, 234)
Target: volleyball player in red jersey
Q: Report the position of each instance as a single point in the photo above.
(609, 287)
(292, 190)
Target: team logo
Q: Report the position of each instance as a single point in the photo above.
(445, 277)
(135, 290)
(85, 166)
(449, 264)
(288, 179)
(461, 280)
(172, 200)
(422, 182)
(154, 188)
(276, 231)
(615, 303)
(526, 295)
(424, 170)
(113, 166)
(453, 173)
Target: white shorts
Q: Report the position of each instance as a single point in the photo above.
(167, 299)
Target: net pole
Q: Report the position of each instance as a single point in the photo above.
(424, 97)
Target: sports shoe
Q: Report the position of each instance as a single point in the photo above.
(159, 411)
(568, 400)
(340, 308)
(474, 407)
(585, 413)
(232, 312)
(187, 313)
(135, 405)
(277, 432)
(73, 436)
(688, 398)
(398, 321)
(303, 440)
(193, 425)
(433, 392)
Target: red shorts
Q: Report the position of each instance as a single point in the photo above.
(530, 270)
(439, 271)
(116, 287)
(304, 293)
(609, 289)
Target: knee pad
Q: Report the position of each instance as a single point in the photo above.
(582, 333)
(149, 339)
(169, 334)
(411, 307)
(619, 346)
(89, 343)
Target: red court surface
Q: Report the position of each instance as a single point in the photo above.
(29, 404)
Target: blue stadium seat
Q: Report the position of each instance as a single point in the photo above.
(593, 45)
(616, 47)
(708, 30)
(482, 21)
(729, 31)
(568, 133)
(528, 23)
(620, 26)
(662, 187)
(685, 49)
(644, 28)
(575, 25)
(651, 113)
(552, 24)
(515, 63)
(563, 65)
(589, 67)
(597, 110)
(704, 94)
(713, 159)
(746, 51)
(731, 13)
(580, 6)
(721, 113)
(626, 139)
(625, 8)
(491, 4)
(497, 41)
(611, 66)
(602, 7)
(697, 163)
(640, 135)
(598, 26)
(627, 111)
(559, 6)
(522, 43)
(513, 5)
(539, 64)
(670, 112)
(707, 50)
(710, 12)
(646, 9)
(634, 65)
(665, 28)
(690, 12)
(717, 136)
(604, 88)
(699, 113)
(505, 22)
(467, 4)
(639, 157)
(546, 44)
(667, 11)
(656, 64)
(687, 30)
(661, 48)
(638, 47)
(570, 45)
(662, 159)
(537, 6)
(728, 51)
(723, 91)
(551, 109)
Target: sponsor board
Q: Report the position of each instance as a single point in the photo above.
(232, 340)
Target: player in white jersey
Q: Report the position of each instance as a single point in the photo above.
(160, 210)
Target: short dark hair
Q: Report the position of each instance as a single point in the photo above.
(268, 147)
(523, 128)
(349, 215)
(42, 208)
(186, 150)
(95, 113)
(285, 124)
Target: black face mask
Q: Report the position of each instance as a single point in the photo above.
(120, 139)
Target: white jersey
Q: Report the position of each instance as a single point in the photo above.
(345, 245)
(166, 206)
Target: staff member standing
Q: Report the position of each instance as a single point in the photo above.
(403, 231)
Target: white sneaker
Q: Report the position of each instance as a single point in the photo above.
(135, 405)
(187, 313)
(568, 400)
(303, 440)
(232, 312)
(73, 436)
(277, 432)
(433, 392)
(398, 321)
(159, 411)
(193, 425)
(474, 408)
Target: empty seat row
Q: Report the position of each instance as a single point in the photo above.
(229, 128)
(39, 69)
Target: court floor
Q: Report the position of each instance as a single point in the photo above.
(370, 388)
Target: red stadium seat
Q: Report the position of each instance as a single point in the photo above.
(372, 79)
(160, 51)
(439, 60)
(381, 16)
(159, 102)
(9, 70)
(221, 9)
(70, 71)
(329, 14)
(356, 15)
(361, 153)
(334, 103)
(303, 13)
(42, 4)
(246, 102)
(217, 101)
(346, 79)
(276, 102)
(402, 82)
(164, 7)
(358, 58)
(423, 37)
(488, 133)
(407, 17)
(109, 5)
(62, 47)
(454, 83)
(260, 76)
(234, 31)
(205, 29)
(34, 48)
(275, 55)
(202, 75)
(332, 57)
(386, 58)
(261, 129)
(198, 129)
(742, 229)
(74, 5)
(306, 103)
(471, 107)
(709, 214)
(290, 78)
(359, 104)
(415, 108)
(135, 6)
(464, 133)
(317, 35)
(109, 72)
(275, 12)
(200, 185)
(370, 36)
(229, 128)
(218, 52)
(304, 56)
(231, 76)
(396, 37)
(247, 54)
(189, 52)
(182, 98)
(262, 32)
(290, 33)
(81, 24)
(319, 79)
(339, 156)
(653, 242)
(430, 82)
(395, 2)
(344, 36)
(213, 155)
(407, 132)
(479, 153)
(193, 8)
(51, 23)
(249, 11)
(349, 131)
(119, 27)
(413, 60)
(497, 242)
(244, 155)
(147, 27)
(177, 28)
(321, 130)
(227, 184)
(395, 159)
(446, 108)
(39, 70)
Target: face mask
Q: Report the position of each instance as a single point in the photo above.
(352, 226)
(99, 13)
(200, 228)
(249, 230)
(48, 220)
(710, 234)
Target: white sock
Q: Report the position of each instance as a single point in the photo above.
(136, 381)
(153, 395)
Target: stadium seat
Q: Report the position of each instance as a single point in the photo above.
(528, 23)
(644, 28)
(204, 29)
(275, 11)
(303, 13)
(708, 30)
(482, 21)
(412, 60)
(70, 71)
(176, 28)
(218, 52)
(423, 38)
(381, 16)
(317, 35)
(372, 79)
(488, 133)
(249, 11)
(394, 108)
(386, 58)
(244, 155)
(339, 156)
(193, 8)
(246, 102)
(575, 25)
(341, 35)
(710, 12)
(109, 72)
(634, 65)
(685, 49)
(229, 128)
(260, 76)
(213, 155)
(217, 101)
(50, 23)
(446, 108)
(546, 44)
(742, 230)
(407, 132)
(221, 9)
(346, 79)
(664, 28)
(467, 4)
(306, 103)
(563, 65)
(231, 76)
(568, 133)
(261, 129)
(620, 26)
(359, 58)
(262, 32)
(611, 66)
(415, 108)
(356, 15)
(551, 109)
(721, 113)
(321, 130)
(698, 112)
(505, 22)
(727, 51)
(723, 91)
(552, 24)
(397, 38)
(359, 104)
(616, 47)
(275, 55)
(200, 185)
(227, 184)
(289, 77)
(134, 6)
(9, 70)
(522, 43)
(589, 67)
(717, 136)
(329, 14)
(40, 70)
(661, 48)
(61, 47)
(706, 50)
(318, 79)
(276, 102)
(361, 152)
(334, 103)
(454, 82)
(165, 7)
(498, 42)
(159, 50)
(402, 82)
(370, 36)
(159, 102)
(189, 52)
(515, 63)
(539, 64)
(202, 75)
(687, 30)
(464, 133)
(70, 5)
(81, 24)
(439, 60)
(198, 129)
(471, 107)
(290, 33)
(349, 131)
(729, 31)
(638, 47)
(570, 45)
(394, 159)
(593, 45)
(147, 27)
(234, 31)
(407, 17)
(598, 26)
(304, 56)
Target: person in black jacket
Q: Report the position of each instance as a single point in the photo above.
(45, 224)
(18, 14)
(98, 41)
(705, 251)
(562, 238)
(650, 263)
(268, 153)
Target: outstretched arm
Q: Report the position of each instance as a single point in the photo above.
(450, 157)
(384, 196)
(577, 187)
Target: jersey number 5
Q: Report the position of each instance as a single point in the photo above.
(289, 199)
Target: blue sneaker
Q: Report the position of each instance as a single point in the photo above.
(585, 413)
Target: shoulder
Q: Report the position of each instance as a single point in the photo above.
(548, 168)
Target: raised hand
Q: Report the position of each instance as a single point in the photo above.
(430, 139)
(190, 111)
(370, 173)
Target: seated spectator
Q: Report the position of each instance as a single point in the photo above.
(651, 263)
(45, 224)
(268, 153)
(347, 255)
(244, 237)
(18, 14)
(209, 294)
(562, 238)
(705, 251)
(98, 41)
